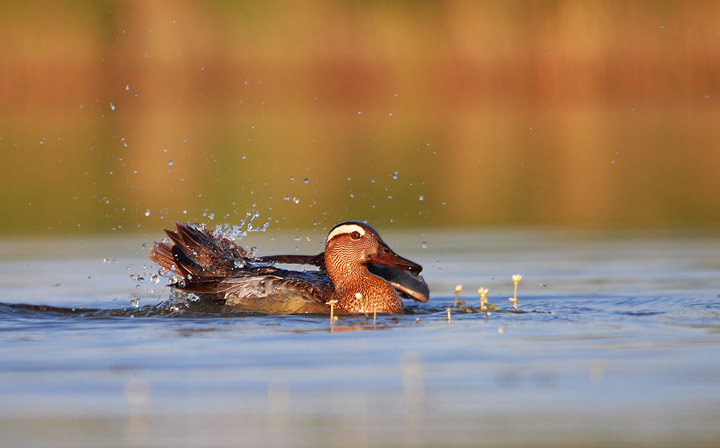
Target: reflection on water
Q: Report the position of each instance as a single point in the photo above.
(463, 114)
(616, 343)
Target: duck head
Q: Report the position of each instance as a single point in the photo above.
(354, 243)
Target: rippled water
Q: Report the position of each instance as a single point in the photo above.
(616, 342)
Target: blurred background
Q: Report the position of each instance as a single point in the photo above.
(125, 116)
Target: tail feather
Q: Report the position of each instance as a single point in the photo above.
(196, 252)
(162, 255)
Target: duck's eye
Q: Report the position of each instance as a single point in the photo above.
(355, 235)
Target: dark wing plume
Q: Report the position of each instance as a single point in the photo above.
(197, 252)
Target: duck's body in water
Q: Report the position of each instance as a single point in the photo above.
(357, 273)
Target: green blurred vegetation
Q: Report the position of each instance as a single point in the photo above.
(564, 113)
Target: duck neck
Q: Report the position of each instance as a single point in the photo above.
(359, 291)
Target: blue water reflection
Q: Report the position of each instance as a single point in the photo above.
(617, 342)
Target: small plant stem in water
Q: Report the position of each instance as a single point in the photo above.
(516, 279)
(332, 311)
(359, 298)
(483, 298)
(458, 288)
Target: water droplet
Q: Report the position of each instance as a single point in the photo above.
(424, 245)
(135, 302)
(296, 200)
(112, 106)
(421, 198)
(127, 88)
(307, 181)
(372, 181)
(147, 212)
(292, 178)
(170, 163)
(211, 216)
(395, 175)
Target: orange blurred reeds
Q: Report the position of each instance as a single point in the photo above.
(561, 113)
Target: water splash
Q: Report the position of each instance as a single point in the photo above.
(238, 232)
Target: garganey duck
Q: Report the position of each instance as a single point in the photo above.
(357, 273)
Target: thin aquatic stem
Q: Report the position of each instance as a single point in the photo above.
(332, 311)
(458, 288)
(516, 279)
(359, 298)
(483, 298)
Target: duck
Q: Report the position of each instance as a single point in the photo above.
(356, 273)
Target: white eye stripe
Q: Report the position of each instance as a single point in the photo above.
(345, 228)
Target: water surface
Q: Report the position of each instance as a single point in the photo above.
(616, 342)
